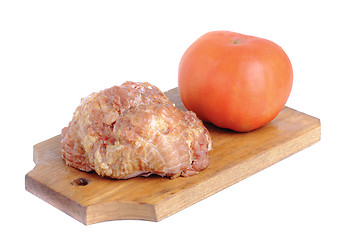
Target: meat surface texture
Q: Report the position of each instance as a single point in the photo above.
(134, 130)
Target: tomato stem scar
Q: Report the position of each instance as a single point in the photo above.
(235, 41)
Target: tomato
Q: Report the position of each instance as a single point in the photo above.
(235, 81)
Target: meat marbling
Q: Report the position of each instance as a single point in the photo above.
(134, 130)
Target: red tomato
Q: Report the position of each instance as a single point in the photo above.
(235, 81)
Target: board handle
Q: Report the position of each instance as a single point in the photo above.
(48, 150)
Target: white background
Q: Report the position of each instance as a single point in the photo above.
(53, 53)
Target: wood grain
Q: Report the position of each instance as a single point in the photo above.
(234, 157)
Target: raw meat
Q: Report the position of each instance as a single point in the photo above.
(134, 130)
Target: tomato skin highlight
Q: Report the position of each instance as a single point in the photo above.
(235, 81)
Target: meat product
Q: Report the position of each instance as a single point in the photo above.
(134, 130)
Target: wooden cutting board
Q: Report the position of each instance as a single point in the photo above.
(90, 198)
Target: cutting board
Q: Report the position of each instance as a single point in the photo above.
(90, 198)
